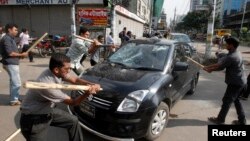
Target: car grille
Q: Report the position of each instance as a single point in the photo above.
(98, 101)
(101, 101)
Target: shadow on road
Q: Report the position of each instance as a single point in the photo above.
(40, 65)
(185, 122)
(4, 99)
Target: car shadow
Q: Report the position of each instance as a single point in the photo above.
(59, 134)
(186, 122)
(4, 99)
(40, 65)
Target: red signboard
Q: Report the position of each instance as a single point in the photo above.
(92, 17)
(3, 2)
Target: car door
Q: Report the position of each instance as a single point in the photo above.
(180, 77)
(192, 67)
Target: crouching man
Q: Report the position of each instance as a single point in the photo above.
(38, 110)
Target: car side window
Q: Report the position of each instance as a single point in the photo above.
(180, 53)
(188, 50)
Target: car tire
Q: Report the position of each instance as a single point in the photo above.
(161, 113)
(193, 85)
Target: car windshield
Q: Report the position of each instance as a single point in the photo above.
(141, 56)
(180, 38)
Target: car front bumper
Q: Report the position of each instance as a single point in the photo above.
(116, 127)
(100, 134)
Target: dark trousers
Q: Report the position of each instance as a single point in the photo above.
(246, 91)
(35, 127)
(25, 48)
(92, 62)
(232, 96)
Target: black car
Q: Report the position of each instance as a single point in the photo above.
(141, 82)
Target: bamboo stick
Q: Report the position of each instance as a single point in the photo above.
(195, 62)
(40, 85)
(37, 41)
(92, 41)
(245, 52)
(86, 39)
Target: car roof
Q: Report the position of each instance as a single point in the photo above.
(154, 41)
(178, 34)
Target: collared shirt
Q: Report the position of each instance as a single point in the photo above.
(24, 39)
(77, 49)
(41, 101)
(109, 40)
(233, 63)
(8, 45)
(96, 55)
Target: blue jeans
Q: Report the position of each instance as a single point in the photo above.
(15, 81)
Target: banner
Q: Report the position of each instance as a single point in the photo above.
(34, 2)
(92, 17)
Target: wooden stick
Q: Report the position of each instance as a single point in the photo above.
(246, 52)
(86, 39)
(200, 65)
(37, 41)
(13, 135)
(40, 85)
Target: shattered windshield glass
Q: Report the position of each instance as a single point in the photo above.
(141, 56)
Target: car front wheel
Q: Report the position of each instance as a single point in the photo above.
(158, 122)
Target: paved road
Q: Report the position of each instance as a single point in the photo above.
(192, 111)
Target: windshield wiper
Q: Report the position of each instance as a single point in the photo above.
(147, 68)
(118, 63)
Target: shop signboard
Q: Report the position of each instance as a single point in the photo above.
(92, 16)
(34, 2)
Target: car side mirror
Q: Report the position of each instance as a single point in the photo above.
(180, 66)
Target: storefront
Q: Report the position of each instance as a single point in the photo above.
(54, 17)
(38, 16)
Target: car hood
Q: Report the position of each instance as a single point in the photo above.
(119, 80)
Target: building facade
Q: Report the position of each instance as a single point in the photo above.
(54, 17)
(194, 3)
(233, 12)
(219, 10)
(141, 8)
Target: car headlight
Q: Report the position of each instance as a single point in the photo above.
(133, 101)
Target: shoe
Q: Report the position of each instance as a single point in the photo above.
(215, 120)
(15, 103)
(236, 122)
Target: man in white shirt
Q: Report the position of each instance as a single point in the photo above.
(2, 33)
(79, 48)
(24, 42)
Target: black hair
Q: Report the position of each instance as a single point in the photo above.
(24, 30)
(234, 41)
(83, 30)
(99, 37)
(10, 26)
(57, 60)
(157, 34)
(129, 33)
